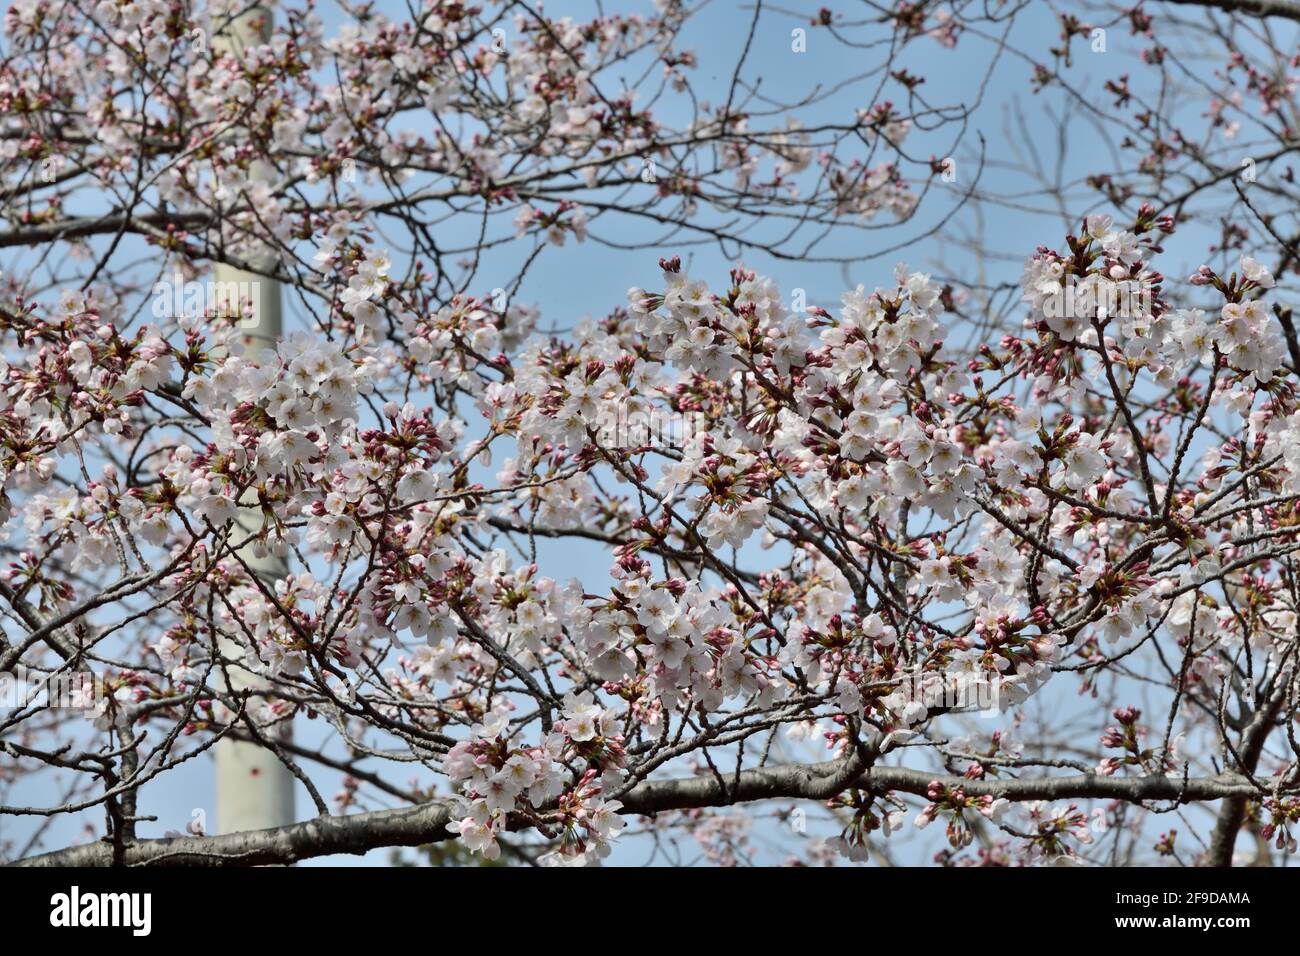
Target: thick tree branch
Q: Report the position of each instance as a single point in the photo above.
(1263, 8)
(427, 823)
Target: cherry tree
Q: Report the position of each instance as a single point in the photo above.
(1009, 554)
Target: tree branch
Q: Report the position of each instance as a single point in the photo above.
(427, 823)
(1263, 8)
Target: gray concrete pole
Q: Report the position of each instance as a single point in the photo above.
(254, 790)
